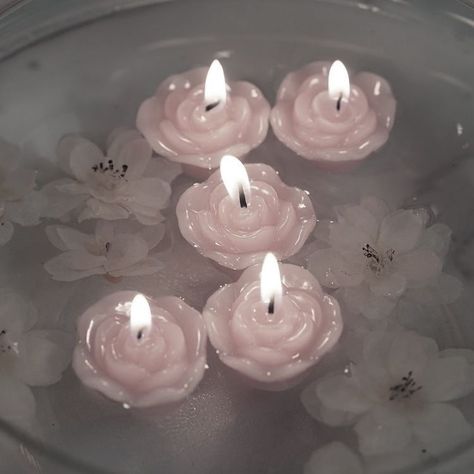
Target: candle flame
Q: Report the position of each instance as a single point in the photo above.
(215, 86)
(140, 315)
(235, 179)
(339, 85)
(270, 282)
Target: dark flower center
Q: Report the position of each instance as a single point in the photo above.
(5, 345)
(108, 168)
(377, 261)
(405, 389)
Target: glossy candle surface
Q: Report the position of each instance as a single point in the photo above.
(278, 219)
(161, 364)
(178, 124)
(273, 350)
(307, 118)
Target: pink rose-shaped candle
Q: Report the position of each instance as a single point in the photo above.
(238, 219)
(324, 117)
(272, 330)
(141, 352)
(195, 118)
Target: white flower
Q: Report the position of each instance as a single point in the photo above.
(376, 256)
(334, 458)
(123, 182)
(28, 357)
(114, 249)
(19, 203)
(337, 458)
(396, 395)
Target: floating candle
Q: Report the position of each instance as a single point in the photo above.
(141, 352)
(321, 116)
(195, 118)
(243, 212)
(272, 329)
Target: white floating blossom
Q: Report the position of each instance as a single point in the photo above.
(376, 256)
(395, 395)
(114, 249)
(19, 202)
(120, 183)
(28, 357)
(334, 458)
(337, 458)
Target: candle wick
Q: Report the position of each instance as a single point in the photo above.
(242, 199)
(140, 334)
(212, 106)
(338, 104)
(271, 306)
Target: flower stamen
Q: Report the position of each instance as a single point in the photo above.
(377, 261)
(110, 170)
(405, 389)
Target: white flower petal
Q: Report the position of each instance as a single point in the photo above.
(467, 355)
(16, 314)
(60, 268)
(401, 231)
(66, 238)
(375, 206)
(96, 209)
(341, 392)
(148, 195)
(6, 231)
(334, 458)
(130, 148)
(360, 219)
(57, 202)
(441, 291)
(348, 240)
(382, 431)
(449, 288)
(440, 427)
(105, 231)
(375, 353)
(446, 378)
(81, 259)
(320, 412)
(125, 250)
(419, 265)
(333, 271)
(83, 156)
(391, 284)
(372, 306)
(17, 403)
(437, 239)
(409, 351)
(41, 358)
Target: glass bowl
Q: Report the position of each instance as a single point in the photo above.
(86, 65)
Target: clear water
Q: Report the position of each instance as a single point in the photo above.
(92, 78)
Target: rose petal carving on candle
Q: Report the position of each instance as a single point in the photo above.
(177, 125)
(278, 219)
(163, 366)
(306, 119)
(273, 349)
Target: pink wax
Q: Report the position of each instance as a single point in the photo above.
(307, 120)
(273, 350)
(278, 219)
(177, 125)
(162, 364)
